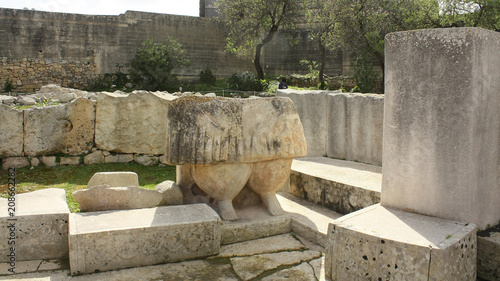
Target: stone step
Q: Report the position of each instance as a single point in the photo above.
(38, 229)
(341, 186)
(110, 240)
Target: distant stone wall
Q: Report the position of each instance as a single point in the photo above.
(29, 75)
(345, 126)
(76, 48)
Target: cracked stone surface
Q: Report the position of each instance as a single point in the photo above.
(281, 257)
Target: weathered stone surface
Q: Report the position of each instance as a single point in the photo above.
(26, 101)
(67, 129)
(69, 161)
(379, 242)
(14, 162)
(301, 272)
(67, 97)
(34, 162)
(95, 157)
(341, 186)
(205, 130)
(441, 133)
(146, 160)
(49, 161)
(284, 242)
(355, 127)
(172, 194)
(114, 179)
(311, 107)
(251, 267)
(41, 226)
(11, 132)
(119, 158)
(6, 99)
(137, 124)
(488, 254)
(104, 197)
(141, 237)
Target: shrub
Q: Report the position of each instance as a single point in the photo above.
(364, 75)
(152, 66)
(206, 77)
(245, 81)
(8, 86)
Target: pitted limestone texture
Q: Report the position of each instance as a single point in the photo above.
(379, 243)
(103, 241)
(41, 226)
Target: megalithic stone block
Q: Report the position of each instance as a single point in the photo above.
(109, 240)
(222, 145)
(442, 124)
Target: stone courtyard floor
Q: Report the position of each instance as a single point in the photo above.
(280, 257)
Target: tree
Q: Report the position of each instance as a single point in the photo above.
(253, 23)
(153, 63)
(319, 18)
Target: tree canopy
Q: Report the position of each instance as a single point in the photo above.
(253, 23)
(152, 66)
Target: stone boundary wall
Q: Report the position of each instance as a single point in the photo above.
(346, 126)
(117, 127)
(30, 74)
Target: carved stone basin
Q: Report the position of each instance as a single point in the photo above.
(221, 144)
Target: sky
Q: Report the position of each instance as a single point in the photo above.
(107, 7)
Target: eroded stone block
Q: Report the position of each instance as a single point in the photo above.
(381, 243)
(11, 132)
(67, 129)
(137, 124)
(114, 179)
(103, 241)
(41, 226)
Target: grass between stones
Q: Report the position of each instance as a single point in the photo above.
(72, 178)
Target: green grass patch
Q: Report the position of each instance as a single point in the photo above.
(72, 178)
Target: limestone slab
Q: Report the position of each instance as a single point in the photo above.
(41, 225)
(95, 157)
(378, 242)
(49, 161)
(253, 266)
(11, 132)
(311, 106)
(341, 186)
(136, 125)
(15, 162)
(67, 128)
(103, 241)
(119, 158)
(355, 127)
(277, 243)
(114, 179)
(301, 272)
(441, 133)
(104, 197)
(69, 161)
(172, 194)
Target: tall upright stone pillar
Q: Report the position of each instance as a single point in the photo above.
(440, 162)
(442, 124)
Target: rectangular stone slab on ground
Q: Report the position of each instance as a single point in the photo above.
(109, 240)
(40, 226)
(380, 243)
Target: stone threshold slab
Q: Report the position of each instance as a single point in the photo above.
(110, 240)
(381, 243)
(339, 185)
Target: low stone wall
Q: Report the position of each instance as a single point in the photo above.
(30, 74)
(109, 128)
(341, 125)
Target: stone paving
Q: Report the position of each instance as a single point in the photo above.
(281, 257)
